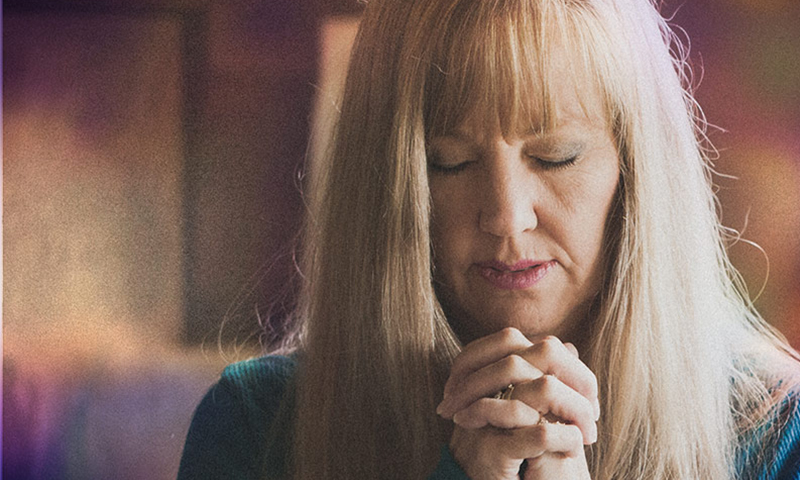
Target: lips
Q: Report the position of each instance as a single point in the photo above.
(504, 267)
(519, 276)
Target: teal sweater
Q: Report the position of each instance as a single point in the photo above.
(242, 430)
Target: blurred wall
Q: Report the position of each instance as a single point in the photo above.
(746, 58)
(93, 177)
(152, 152)
(153, 157)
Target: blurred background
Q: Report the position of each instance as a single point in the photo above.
(153, 161)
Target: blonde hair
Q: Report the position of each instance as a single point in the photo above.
(676, 347)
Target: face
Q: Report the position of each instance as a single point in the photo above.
(518, 224)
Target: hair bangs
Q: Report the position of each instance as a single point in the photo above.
(495, 62)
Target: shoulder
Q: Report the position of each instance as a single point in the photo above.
(787, 437)
(258, 383)
(253, 389)
(773, 450)
(230, 433)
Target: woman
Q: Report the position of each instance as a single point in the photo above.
(513, 269)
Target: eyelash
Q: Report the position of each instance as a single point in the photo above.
(557, 164)
(544, 164)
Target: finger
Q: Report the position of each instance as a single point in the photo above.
(549, 395)
(554, 358)
(557, 465)
(548, 355)
(533, 442)
(486, 381)
(572, 349)
(484, 351)
(498, 453)
(505, 414)
(481, 453)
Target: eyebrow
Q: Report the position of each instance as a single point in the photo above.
(562, 147)
(545, 135)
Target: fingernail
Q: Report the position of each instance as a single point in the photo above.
(457, 418)
(596, 410)
(439, 409)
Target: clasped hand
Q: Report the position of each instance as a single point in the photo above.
(551, 415)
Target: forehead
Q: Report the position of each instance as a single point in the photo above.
(514, 70)
(576, 109)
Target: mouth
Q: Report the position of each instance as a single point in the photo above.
(519, 276)
(503, 267)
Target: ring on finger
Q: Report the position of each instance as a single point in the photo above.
(505, 394)
(542, 420)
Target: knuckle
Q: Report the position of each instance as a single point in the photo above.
(513, 363)
(547, 384)
(542, 434)
(511, 335)
(550, 345)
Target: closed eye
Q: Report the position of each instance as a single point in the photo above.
(554, 164)
(449, 162)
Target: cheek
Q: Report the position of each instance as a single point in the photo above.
(450, 213)
(587, 204)
(604, 197)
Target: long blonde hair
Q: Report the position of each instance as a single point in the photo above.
(676, 347)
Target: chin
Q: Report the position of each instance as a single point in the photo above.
(471, 326)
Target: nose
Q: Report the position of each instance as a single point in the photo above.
(509, 196)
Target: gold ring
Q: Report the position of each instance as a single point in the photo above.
(505, 394)
(542, 420)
